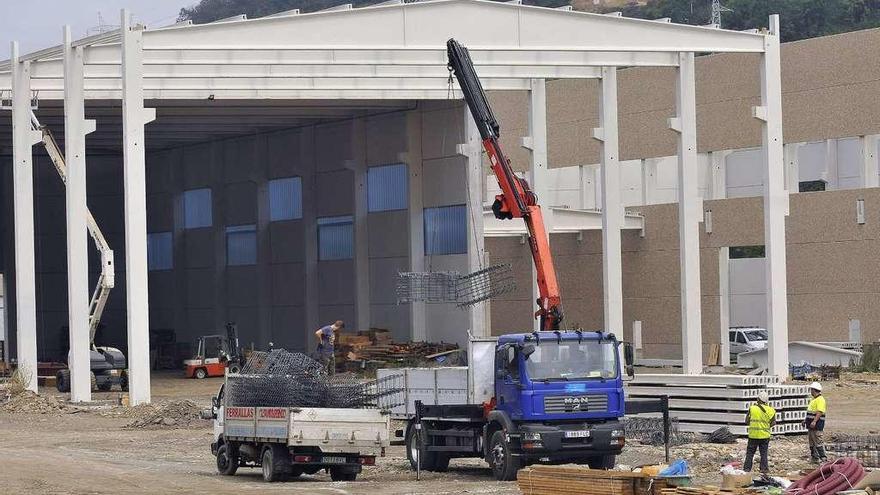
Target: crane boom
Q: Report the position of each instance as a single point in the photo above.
(106, 280)
(516, 199)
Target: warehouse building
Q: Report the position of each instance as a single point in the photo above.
(282, 183)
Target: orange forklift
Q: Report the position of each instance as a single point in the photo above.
(215, 354)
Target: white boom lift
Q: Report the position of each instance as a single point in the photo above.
(107, 278)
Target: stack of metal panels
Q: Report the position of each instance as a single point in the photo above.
(704, 403)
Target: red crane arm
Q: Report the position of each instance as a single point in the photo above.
(516, 199)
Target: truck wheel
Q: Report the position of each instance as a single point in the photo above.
(62, 381)
(123, 381)
(413, 452)
(201, 373)
(105, 386)
(504, 464)
(227, 459)
(342, 474)
(276, 463)
(441, 463)
(602, 462)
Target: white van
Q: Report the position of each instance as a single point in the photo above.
(744, 339)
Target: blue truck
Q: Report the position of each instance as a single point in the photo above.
(548, 397)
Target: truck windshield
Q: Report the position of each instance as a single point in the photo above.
(573, 361)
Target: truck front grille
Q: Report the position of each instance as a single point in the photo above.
(576, 403)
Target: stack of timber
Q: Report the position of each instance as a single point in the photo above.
(578, 480)
(378, 345)
(709, 490)
(704, 403)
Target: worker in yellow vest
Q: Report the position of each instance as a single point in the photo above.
(815, 423)
(760, 420)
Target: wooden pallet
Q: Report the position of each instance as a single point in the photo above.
(573, 480)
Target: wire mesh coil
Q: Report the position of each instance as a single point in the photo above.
(280, 378)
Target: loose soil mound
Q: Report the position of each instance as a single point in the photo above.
(174, 414)
(29, 402)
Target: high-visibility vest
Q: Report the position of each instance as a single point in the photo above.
(817, 404)
(760, 418)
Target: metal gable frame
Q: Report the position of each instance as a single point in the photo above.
(389, 51)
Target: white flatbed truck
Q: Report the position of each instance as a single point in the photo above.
(286, 442)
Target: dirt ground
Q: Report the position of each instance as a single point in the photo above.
(92, 451)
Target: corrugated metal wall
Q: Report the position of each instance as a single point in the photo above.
(197, 208)
(285, 198)
(446, 230)
(387, 187)
(335, 238)
(241, 245)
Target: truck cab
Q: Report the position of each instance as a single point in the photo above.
(551, 397)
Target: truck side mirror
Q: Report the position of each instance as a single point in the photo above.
(629, 359)
(527, 351)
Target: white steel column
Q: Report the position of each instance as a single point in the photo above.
(775, 201)
(23, 140)
(134, 116)
(724, 303)
(612, 208)
(649, 181)
(792, 167)
(75, 129)
(869, 161)
(413, 160)
(689, 215)
(358, 165)
(536, 143)
(472, 149)
(718, 174)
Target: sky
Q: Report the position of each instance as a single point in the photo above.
(37, 24)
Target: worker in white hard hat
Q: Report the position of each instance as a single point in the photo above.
(815, 423)
(760, 420)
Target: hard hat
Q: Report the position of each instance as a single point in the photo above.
(816, 386)
(763, 396)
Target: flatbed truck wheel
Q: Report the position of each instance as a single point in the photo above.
(504, 464)
(342, 474)
(413, 452)
(275, 463)
(227, 459)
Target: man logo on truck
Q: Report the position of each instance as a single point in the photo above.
(576, 403)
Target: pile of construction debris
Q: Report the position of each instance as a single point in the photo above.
(174, 414)
(377, 346)
(29, 402)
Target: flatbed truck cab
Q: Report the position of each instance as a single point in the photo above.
(553, 397)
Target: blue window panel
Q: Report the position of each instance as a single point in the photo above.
(335, 238)
(241, 245)
(285, 199)
(387, 188)
(446, 230)
(197, 208)
(160, 251)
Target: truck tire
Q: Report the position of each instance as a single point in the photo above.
(201, 373)
(62, 381)
(602, 462)
(413, 452)
(105, 386)
(227, 459)
(342, 474)
(123, 381)
(504, 464)
(275, 463)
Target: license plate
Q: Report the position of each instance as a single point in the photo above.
(577, 434)
(333, 460)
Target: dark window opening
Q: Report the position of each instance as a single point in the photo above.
(812, 185)
(738, 252)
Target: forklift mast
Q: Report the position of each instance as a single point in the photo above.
(516, 200)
